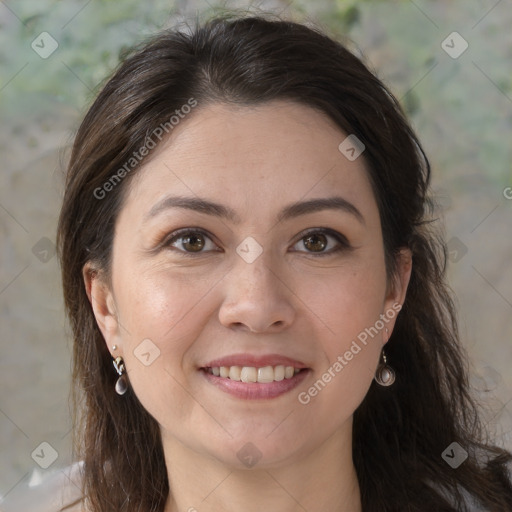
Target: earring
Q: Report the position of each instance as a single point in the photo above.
(121, 383)
(385, 375)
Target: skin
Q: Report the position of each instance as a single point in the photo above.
(290, 300)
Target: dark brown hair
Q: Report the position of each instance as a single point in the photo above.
(400, 432)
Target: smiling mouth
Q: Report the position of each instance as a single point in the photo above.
(251, 374)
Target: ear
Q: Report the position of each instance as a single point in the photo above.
(103, 305)
(397, 289)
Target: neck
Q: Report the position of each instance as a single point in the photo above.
(324, 479)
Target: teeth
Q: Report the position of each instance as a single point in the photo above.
(234, 372)
(288, 372)
(279, 372)
(251, 374)
(266, 374)
(248, 374)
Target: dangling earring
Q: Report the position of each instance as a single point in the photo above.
(122, 383)
(385, 375)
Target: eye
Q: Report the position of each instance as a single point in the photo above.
(323, 242)
(190, 241)
(320, 242)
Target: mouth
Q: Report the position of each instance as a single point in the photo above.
(251, 382)
(263, 375)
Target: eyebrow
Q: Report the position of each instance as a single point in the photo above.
(288, 212)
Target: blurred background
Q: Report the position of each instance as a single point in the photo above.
(449, 64)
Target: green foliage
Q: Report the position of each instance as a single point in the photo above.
(90, 37)
(466, 99)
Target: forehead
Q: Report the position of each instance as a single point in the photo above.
(251, 156)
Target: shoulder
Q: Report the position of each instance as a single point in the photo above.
(47, 492)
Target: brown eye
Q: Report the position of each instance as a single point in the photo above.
(189, 241)
(316, 242)
(193, 243)
(322, 242)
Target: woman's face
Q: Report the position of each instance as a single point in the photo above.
(279, 263)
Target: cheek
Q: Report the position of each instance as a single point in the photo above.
(349, 304)
(348, 301)
(162, 306)
(170, 310)
(350, 348)
(154, 316)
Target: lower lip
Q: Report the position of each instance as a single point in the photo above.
(256, 390)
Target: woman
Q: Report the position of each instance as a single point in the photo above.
(257, 291)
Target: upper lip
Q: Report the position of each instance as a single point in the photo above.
(255, 361)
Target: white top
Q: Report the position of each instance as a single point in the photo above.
(46, 491)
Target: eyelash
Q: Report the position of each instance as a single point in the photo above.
(342, 241)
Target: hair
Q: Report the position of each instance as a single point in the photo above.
(399, 432)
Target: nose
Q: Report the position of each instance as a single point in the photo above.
(257, 298)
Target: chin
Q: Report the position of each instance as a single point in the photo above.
(258, 451)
